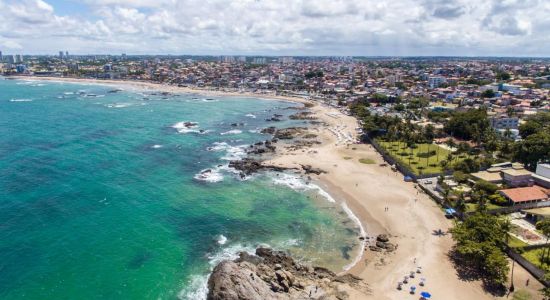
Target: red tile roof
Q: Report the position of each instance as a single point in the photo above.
(525, 194)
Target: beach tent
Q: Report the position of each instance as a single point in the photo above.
(450, 211)
(426, 295)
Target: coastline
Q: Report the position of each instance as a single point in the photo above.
(367, 190)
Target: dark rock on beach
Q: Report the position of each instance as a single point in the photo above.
(311, 170)
(289, 133)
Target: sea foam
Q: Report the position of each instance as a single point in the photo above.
(232, 152)
(21, 100)
(209, 175)
(234, 131)
(298, 184)
(197, 287)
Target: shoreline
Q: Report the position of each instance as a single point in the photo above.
(378, 197)
(150, 86)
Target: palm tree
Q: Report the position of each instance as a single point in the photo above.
(544, 226)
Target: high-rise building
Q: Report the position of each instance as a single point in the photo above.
(60, 54)
(67, 54)
(19, 58)
(1, 56)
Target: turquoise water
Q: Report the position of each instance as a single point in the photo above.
(98, 198)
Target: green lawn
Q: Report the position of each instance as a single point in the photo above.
(470, 207)
(514, 242)
(425, 158)
(533, 256)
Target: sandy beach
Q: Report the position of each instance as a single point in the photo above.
(386, 204)
(379, 197)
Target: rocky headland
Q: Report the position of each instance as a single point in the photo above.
(276, 275)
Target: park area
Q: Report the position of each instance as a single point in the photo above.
(421, 158)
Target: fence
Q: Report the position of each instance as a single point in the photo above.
(516, 208)
(534, 270)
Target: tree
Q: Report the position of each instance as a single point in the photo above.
(544, 226)
(545, 291)
(536, 123)
(460, 177)
(465, 124)
(486, 186)
(533, 149)
(503, 76)
(480, 242)
(488, 94)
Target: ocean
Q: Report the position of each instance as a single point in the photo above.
(101, 193)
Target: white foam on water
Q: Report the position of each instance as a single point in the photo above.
(68, 93)
(251, 116)
(182, 128)
(355, 219)
(209, 175)
(298, 184)
(119, 105)
(197, 287)
(235, 153)
(21, 100)
(157, 146)
(232, 152)
(222, 239)
(234, 131)
(218, 146)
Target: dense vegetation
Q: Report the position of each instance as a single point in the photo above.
(535, 146)
(480, 244)
(468, 125)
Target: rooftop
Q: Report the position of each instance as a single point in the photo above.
(487, 176)
(525, 194)
(516, 172)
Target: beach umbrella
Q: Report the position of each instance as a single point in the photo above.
(426, 295)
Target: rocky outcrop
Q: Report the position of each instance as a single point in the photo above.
(248, 166)
(261, 148)
(382, 243)
(275, 275)
(289, 133)
(303, 115)
(311, 170)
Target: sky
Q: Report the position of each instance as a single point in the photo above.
(277, 27)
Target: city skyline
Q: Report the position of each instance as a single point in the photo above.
(276, 28)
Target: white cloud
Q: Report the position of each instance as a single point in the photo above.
(316, 27)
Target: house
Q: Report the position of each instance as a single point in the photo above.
(491, 175)
(525, 195)
(504, 122)
(513, 174)
(516, 177)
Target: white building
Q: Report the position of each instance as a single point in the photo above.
(504, 122)
(542, 175)
(435, 81)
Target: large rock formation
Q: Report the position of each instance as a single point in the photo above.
(275, 275)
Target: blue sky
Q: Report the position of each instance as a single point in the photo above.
(277, 27)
